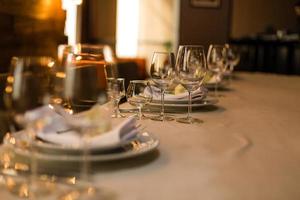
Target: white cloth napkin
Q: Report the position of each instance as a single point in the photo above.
(58, 130)
(200, 92)
(214, 79)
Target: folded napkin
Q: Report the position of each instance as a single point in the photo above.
(59, 128)
(179, 93)
(213, 79)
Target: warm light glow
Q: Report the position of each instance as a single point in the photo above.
(60, 75)
(8, 89)
(51, 64)
(10, 79)
(127, 28)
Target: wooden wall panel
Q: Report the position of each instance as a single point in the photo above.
(30, 27)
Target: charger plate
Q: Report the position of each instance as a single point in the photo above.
(182, 107)
(143, 143)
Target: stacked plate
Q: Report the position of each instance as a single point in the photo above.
(142, 143)
(178, 101)
(59, 142)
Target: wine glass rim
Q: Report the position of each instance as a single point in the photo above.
(217, 45)
(192, 45)
(119, 79)
(92, 46)
(139, 81)
(163, 52)
(32, 58)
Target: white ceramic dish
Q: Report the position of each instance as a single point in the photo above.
(178, 107)
(143, 143)
(181, 101)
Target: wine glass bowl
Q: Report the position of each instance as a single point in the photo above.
(28, 83)
(232, 57)
(89, 66)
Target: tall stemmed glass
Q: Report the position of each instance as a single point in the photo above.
(162, 73)
(216, 63)
(85, 77)
(232, 59)
(191, 69)
(28, 87)
(116, 91)
(139, 94)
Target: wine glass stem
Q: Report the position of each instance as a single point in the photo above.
(217, 84)
(162, 111)
(117, 110)
(190, 105)
(85, 164)
(140, 113)
(33, 161)
(230, 75)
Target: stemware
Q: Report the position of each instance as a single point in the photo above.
(216, 63)
(85, 73)
(232, 57)
(93, 64)
(162, 73)
(116, 91)
(28, 87)
(139, 94)
(191, 69)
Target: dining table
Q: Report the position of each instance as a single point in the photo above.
(248, 147)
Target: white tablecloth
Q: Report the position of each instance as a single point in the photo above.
(247, 149)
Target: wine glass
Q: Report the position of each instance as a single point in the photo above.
(216, 63)
(191, 69)
(116, 91)
(94, 64)
(162, 73)
(84, 85)
(232, 59)
(28, 87)
(139, 94)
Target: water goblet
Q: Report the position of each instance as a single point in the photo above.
(216, 61)
(28, 87)
(85, 75)
(162, 73)
(191, 69)
(232, 59)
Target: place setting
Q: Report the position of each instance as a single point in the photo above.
(176, 85)
(71, 120)
(52, 128)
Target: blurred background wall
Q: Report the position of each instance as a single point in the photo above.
(250, 17)
(201, 25)
(263, 29)
(30, 27)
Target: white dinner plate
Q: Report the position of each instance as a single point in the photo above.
(52, 148)
(143, 143)
(197, 99)
(177, 107)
